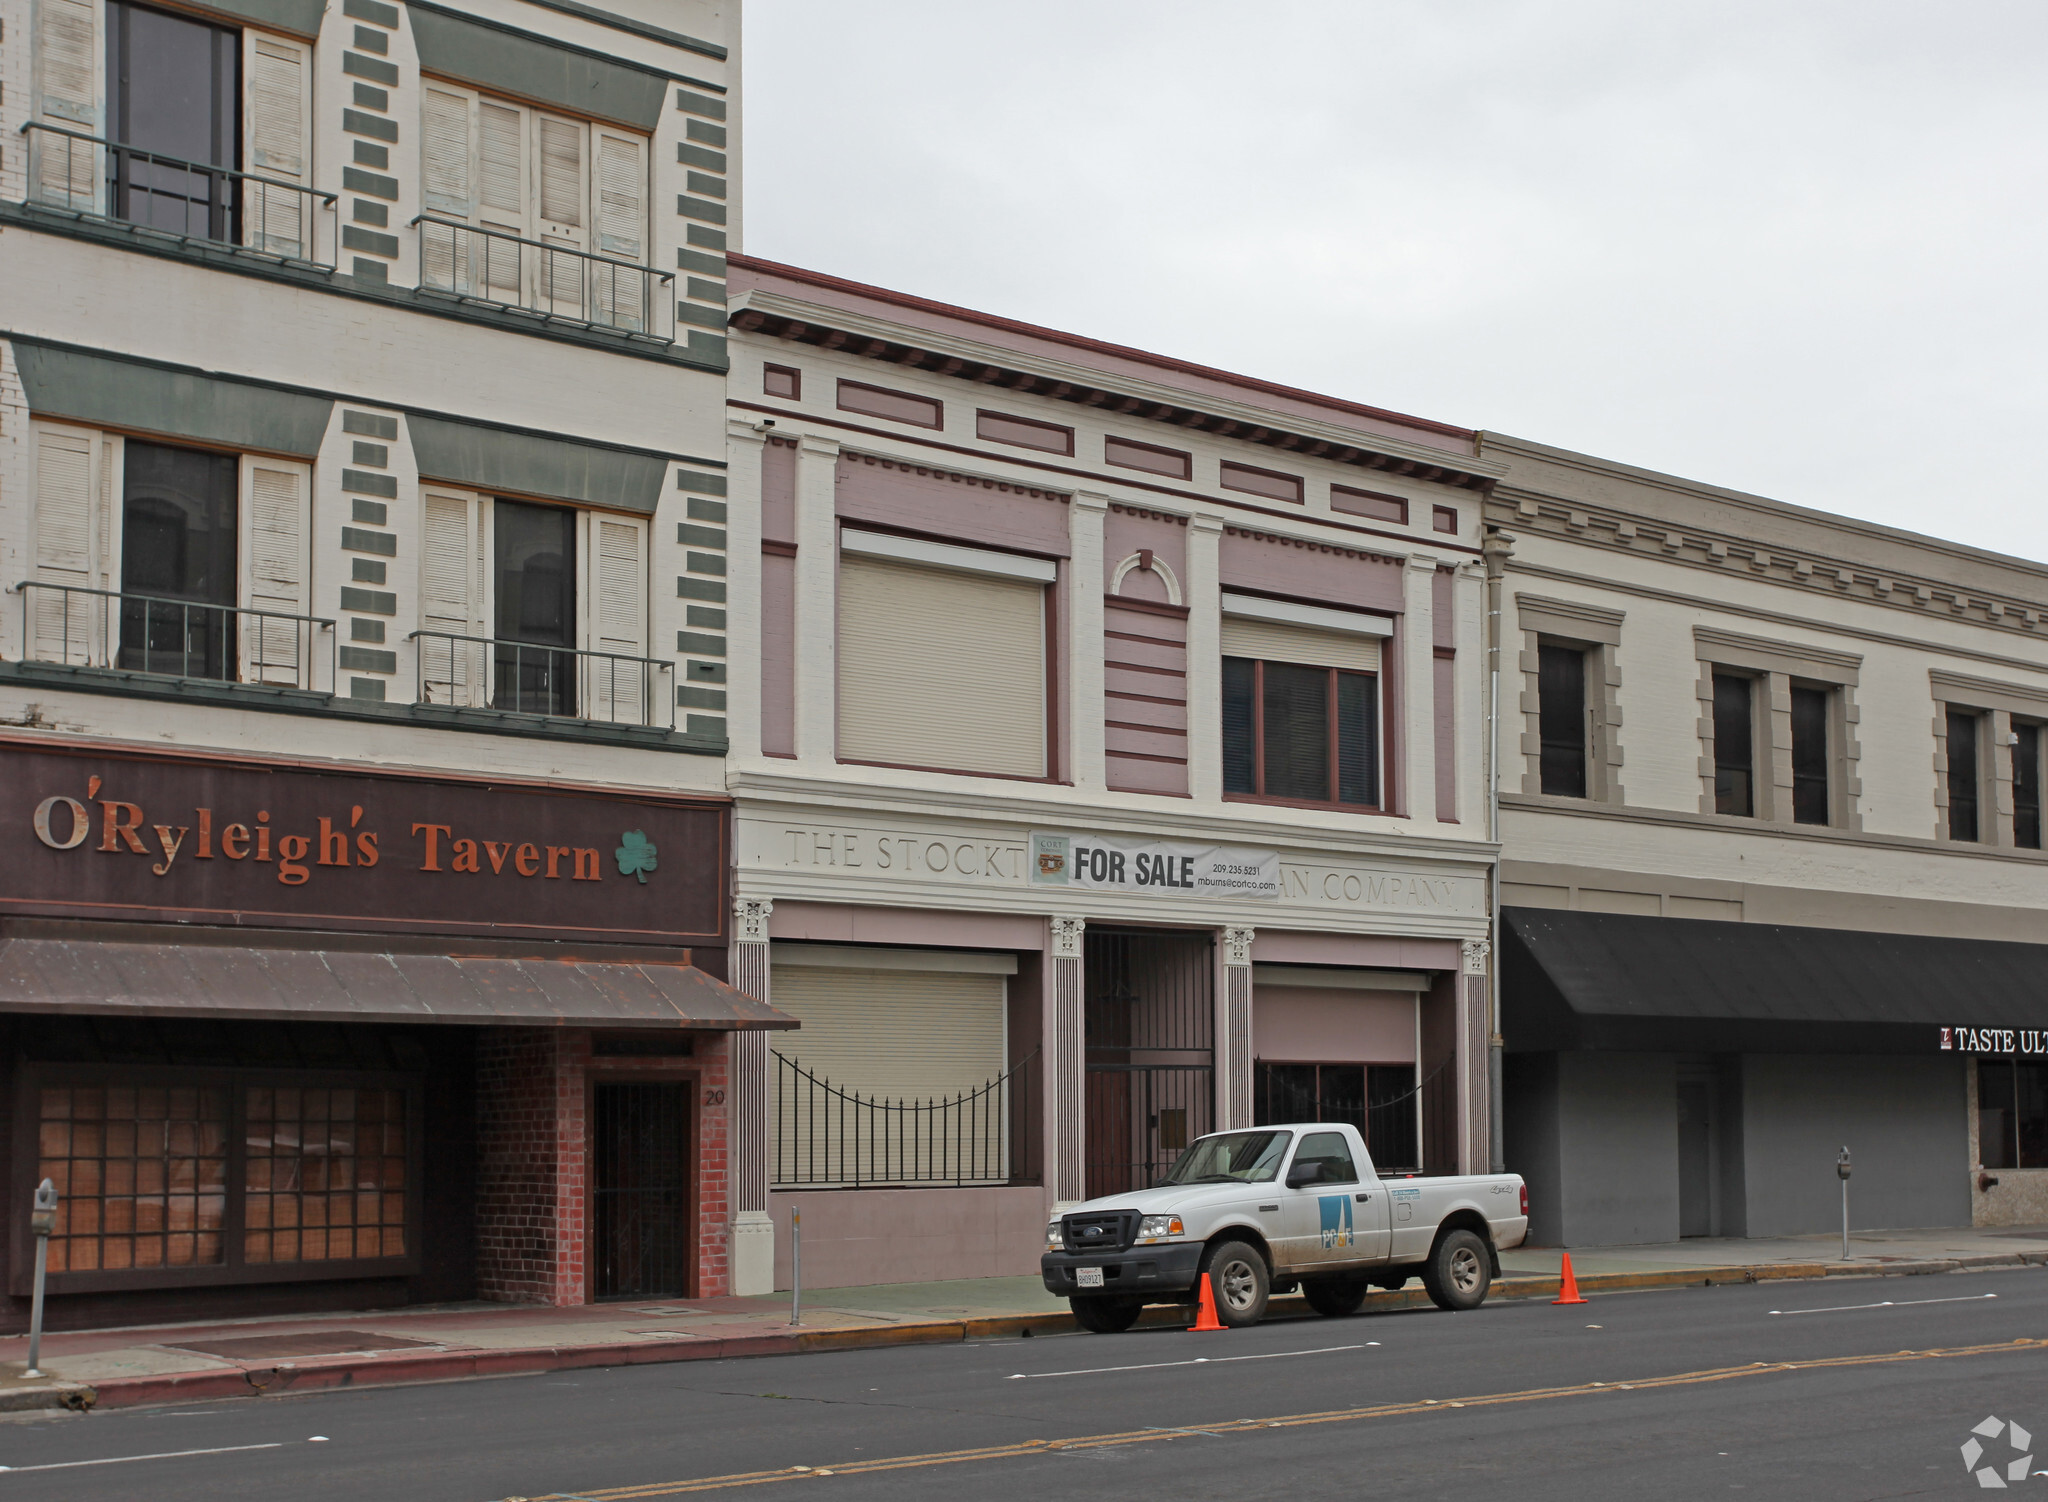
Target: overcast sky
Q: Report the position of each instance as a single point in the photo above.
(1797, 248)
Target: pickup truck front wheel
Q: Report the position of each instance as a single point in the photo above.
(1105, 1316)
(1458, 1272)
(1241, 1282)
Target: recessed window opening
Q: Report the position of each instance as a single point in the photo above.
(1306, 734)
(2012, 1113)
(2026, 786)
(1962, 775)
(173, 91)
(178, 561)
(1561, 719)
(1734, 745)
(1810, 755)
(536, 608)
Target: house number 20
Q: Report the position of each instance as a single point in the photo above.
(714, 1097)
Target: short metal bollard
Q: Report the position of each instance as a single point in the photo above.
(1842, 1168)
(42, 1220)
(796, 1267)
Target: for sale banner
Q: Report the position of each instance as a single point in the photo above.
(1157, 868)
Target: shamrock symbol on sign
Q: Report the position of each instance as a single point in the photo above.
(635, 855)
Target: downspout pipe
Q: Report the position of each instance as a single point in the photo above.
(1494, 550)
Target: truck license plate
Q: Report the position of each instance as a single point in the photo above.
(1088, 1277)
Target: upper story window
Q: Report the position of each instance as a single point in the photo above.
(2026, 785)
(1735, 744)
(161, 119)
(1964, 749)
(1561, 719)
(942, 656)
(535, 209)
(536, 609)
(1813, 755)
(159, 558)
(1301, 704)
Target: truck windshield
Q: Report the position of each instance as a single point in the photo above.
(1231, 1157)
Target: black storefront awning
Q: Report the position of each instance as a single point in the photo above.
(117, 978)
(1614, 981)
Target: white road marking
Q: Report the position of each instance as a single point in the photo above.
(66, 1465)
(1149, 1366)
(1968, 1298)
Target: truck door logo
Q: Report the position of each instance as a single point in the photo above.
(1336, 1210)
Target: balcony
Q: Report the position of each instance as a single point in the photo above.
(103, 630)
(189, 203)
(515, 678)
(556, 283)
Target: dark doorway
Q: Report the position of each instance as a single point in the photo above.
(173, 91)
(1151, 1029)
(536, 589)
(1695, 1158)
(178, 561)
(640, 1191)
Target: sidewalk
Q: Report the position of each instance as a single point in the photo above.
(251, 1358)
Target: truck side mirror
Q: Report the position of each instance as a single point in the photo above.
(1302, 1174)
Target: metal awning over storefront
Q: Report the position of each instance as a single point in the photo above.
(1614, 981)
(258, 983)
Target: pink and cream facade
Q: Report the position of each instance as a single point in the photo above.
(1107, 748)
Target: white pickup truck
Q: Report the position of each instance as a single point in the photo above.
(1274, 1208)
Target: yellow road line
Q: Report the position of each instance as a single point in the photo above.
(1282, 1421)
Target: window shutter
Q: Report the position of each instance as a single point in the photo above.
(67, 56)
(564, 196)
(619, 215)
(501, 198)
(450, 672)
(619, 690)
(941, 669)
(894, 1035)
(274, 504)
(277, 111)
(444, 152)
(67, 50)
(67, 627)
(1275, 641)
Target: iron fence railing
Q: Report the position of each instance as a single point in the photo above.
(522, 677)
(829, 1137)
(559, 282)
(105, 628)
(94, 178)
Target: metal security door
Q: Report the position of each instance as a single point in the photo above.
(640, 1191)
(1150, 1016)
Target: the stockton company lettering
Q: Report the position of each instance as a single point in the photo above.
(1379, 889)
(906, 855)
(336, 841)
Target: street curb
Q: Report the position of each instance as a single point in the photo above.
(446, 1366)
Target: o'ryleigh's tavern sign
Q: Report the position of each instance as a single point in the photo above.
(94, 834)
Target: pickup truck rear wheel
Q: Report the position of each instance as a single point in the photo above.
(1241, 1282)
(1458, 1272)
(1105, 1316)
(1334, 1297)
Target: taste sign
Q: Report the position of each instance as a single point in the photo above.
(93, 834)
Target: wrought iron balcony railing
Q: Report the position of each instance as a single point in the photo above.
(76, 627)
(557, 282)
(93, 178)
(522, 677)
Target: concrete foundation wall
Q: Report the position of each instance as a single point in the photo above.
(856, 1237)
(1904, 1121)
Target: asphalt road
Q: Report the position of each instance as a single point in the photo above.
(1693, 1400)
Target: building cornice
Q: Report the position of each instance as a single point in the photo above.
(1132, 398)
(1611, 529)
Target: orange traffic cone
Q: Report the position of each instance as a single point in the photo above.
(1205, 1318)
(1568, 1291)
